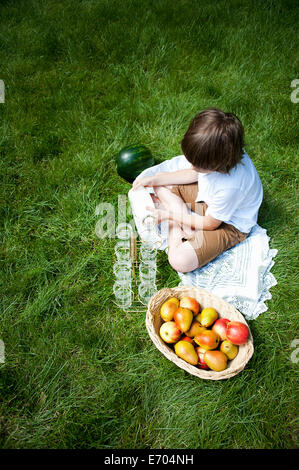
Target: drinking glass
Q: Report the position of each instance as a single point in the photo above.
(147, 252)
(149, 231)
(147, 271)
(124, 231)
(150, 222)
(122, 250)
(122, 271)
(122, 294)
(146, 290)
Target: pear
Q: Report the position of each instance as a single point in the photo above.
(186, 351)
(168, 308)
(207, 339)
(195, 329)
(183, 318)
(208, 316)
(187, 338)
(216, 360)
(230, 349)
(197, 317)
(191, 303)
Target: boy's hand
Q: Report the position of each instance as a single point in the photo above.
(161, 213)
(148, 181)
(186, 176)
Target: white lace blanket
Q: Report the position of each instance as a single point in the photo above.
(240, 275)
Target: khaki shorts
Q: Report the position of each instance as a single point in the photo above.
(208, 244)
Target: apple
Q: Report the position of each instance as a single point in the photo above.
(220, 326)
(201, 362)
(191, 304)
(169, 332)
(237, 332)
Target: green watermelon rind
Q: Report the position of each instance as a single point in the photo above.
(143, 160)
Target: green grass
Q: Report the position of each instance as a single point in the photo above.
(83, 79)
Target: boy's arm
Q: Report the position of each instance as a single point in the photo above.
(195, 221)
(167, 178)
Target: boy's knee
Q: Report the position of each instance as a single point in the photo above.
(158, 189)
(182, 260)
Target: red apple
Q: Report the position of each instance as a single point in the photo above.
(220, 326)
(237, 332)
(169, 332)
(201, 362)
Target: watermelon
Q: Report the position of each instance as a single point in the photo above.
(132, 160)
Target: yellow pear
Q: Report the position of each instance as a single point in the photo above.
(230, 349)
(195, 329)
(183, 318)
(168, 308)
(207, 339)
(186, 351)
(208, 316)
(216, 360)
(191, 303)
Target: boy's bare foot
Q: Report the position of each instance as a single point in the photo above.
(188, 232)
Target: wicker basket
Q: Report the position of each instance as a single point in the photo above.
(205, 299)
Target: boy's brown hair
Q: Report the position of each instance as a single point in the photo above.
(214, 141)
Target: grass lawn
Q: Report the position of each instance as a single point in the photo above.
(83, 79)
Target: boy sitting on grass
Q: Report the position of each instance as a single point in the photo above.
(222, 187)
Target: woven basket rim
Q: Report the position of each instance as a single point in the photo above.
(205, 298)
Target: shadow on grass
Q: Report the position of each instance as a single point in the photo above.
(272, 213)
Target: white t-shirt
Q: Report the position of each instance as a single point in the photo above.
(235, 197)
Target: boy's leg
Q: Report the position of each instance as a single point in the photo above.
(203, 245)
(208, 244)
(181, 255)
(171, 198)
